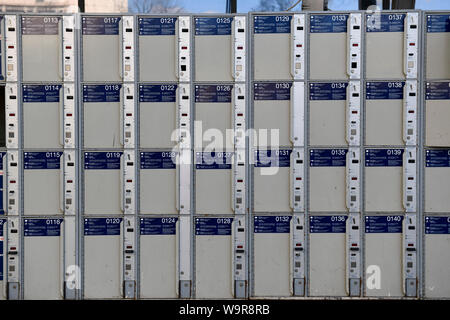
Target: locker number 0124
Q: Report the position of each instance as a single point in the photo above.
(168, 220)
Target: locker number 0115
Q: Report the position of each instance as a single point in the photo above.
(52, 154)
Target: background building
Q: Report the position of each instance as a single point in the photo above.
(68, 6)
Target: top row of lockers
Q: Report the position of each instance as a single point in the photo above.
(281, 46)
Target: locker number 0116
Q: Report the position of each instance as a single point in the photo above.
(53, 221)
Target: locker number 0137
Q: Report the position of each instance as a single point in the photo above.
(394, 84)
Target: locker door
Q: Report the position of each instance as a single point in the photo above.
(328, 34)
(437, 46)
(272, 172)
(159, 260)
(271, 256)
(385, 46)
(383, 183)
(437, 114)
(42, 48)
(213, 179)
(102, 48)
(43, 183)
(158, 45)
(103, 258)
(213, 43)
(213, 112)
(102, 108)
(213, 258)
(327, 113)
(157, 115)
(272, 47)
(3, 259)
(158, 185)
(43, 259)
(103, 183)
(3, 191)
(272, 111)
(384, 113)
(327, 257)
(327, 175)
(42, 116)
(437, 257)
(437, 180)
(383, 248)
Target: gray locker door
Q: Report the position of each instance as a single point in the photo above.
(158, 258)
(213, 108)
(437, 114)
(437, 180)
(437, 257)
(157, 115)
(327, 113)
(385, 46)
(43, 259)
(328, 46)
(3, 183)
(272, 47)
(158, 45)
(43, 183)
(213, 48)
(3, 258)
(271, 256)
(384, 113)
(213, 179)
(272, 111)
(158, 185)
(327, 180)
(384, 180)
(103, 258)
(437, 46)
(102, 108)
(42, 116)
(102, 48)
(103, 183)
(42, 48)
(213, 258)
(272, 172)
(383, 249)
(326, 245)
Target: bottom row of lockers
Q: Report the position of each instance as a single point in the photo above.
(271, 250)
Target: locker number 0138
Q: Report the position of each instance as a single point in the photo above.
(394, 84)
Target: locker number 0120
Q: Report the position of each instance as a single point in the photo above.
(113, 220)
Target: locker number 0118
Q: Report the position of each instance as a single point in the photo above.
(110, 87)
(394, 84)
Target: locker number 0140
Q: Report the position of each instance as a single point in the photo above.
(393, 218)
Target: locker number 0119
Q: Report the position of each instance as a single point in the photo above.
(113, 154)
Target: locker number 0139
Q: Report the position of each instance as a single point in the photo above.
(394, 152)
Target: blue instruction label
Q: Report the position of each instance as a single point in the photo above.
(438, 23)
(272, 224)
(213, 226)
(272, 158)
(42, 25)
(328, 157)
(158, 160)
(327, 224)
(437, 158)
(42, 227)
(384, 90)
(41, 160)
(272, 24)
(272, 91)
(213, 160)
(101, 92)
(437, 91)
(102, 160)
(157, 92)
(328, 91)
(158, 226)
(383, 224)
(213, 93)
(164, 26)
(384, 157)
(213, 26)
(106, 25)
(102, 226)
(324, 23)
(385, 22)
(41, 93)
(437, 225)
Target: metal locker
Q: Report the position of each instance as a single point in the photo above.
(42, 48)
(42, 116)
(437, 39)
(2, 63)
(272, 256)
(102, 109)
(272, 172)
(159, 257)
(327, 113)
(437, 113)
(157, 115)
(3, 259)
(103, 258)
(103, 183)
(327, 240)
(383, 180)
(43, 259)
(437, 180)
(327, 180)
(437, 257)
(213, 258)
(158, 182)
(383, 250)
(213, 182)
(3, 182)
(43, 183)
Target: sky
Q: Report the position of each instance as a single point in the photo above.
(197, 6)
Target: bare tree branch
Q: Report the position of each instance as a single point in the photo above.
(155, 6)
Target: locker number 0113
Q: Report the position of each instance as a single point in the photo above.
(51, 19)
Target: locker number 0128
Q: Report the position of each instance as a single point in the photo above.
(223, 221)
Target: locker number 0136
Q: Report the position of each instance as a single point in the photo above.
(337, 218)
